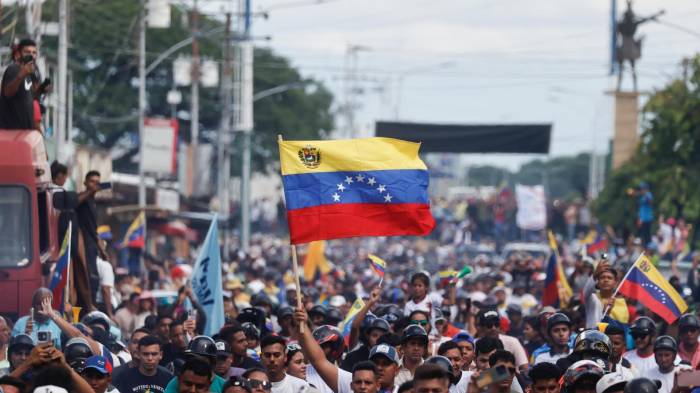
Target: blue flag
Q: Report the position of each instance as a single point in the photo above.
(206, 281)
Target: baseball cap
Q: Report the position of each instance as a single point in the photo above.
(489, 315)
(337, 301)
(222, 348)
(385, 350)
(463, 336)
(21, 340)
(49, 389)
(99, 363)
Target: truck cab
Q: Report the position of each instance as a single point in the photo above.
(28, 219)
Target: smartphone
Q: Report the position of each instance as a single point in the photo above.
(689, 379)
(43, 336)
(31, 314)
(27, 59)
(192, 314)
(493, 375)
(105, 185)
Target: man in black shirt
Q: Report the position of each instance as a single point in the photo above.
(17, 96)
(87, 223)
(148, 377)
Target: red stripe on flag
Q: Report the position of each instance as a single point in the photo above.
(550, 294)
(635, 291)
(343, 220)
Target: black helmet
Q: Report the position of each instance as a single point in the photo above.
(327, 334)
(414, 331)
(251, 331)
(593, 341)
(97, 317)
(443, 362)
(557, 319)
(333, 316)
(76, 351)
(254, 315)
(665, 342)
(319, 309)
(18, 341)
(202, 345)
(379, 323)
(688, 320)
(643, 326)
(285, 311)
(641, 385)
(367, 322)
(260, 299)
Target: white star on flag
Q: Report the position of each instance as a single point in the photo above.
(336, 197)
(371, 181)
(348, 179)
(381, 188)
(387, 197)
(360, 178)
(341, 187)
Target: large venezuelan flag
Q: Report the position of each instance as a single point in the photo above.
(646, 284)
(357, 187)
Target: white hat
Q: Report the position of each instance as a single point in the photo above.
(50, 389)
(337, 301)
(619, 377)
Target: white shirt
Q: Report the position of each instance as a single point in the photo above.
(424, 305)
(344, 381)
(549, 358)
(666, 379)
(463, 384)
(106, 273)
(642, 364)
(290, 384)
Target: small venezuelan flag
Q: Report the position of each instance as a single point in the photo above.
(357, 187)
(646, 284)
(446, 276)
(377, 264)
(135, 236)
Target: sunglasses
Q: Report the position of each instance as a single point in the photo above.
(256, 384)
(511, 370)
(639, 336)
(422, 323)
(687, 330)
(293, 347)
(490, 325)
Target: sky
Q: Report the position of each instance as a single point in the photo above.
(477, 61)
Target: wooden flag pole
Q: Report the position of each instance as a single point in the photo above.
(295, 270)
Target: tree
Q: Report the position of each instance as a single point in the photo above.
(667, 157)
(104, 64)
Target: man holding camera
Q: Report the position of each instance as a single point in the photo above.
(18, 89)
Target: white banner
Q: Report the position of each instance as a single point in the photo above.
(160, 146)
(532, 209)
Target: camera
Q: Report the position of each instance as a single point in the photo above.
(43, 336)
(27, 59)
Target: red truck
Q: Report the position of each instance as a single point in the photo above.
(28, 219)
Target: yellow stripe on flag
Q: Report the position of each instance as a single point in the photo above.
(565, 291)
(366, 154)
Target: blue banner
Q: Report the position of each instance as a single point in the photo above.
(206, 281)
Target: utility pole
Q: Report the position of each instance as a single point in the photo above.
(245, 122)
(142, 102)
(194, 99)
(62, 131)
(223, 154)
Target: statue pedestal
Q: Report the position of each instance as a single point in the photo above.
(626, 122)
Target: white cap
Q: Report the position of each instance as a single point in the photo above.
(50, 389)
(622, 375)
(337, 301)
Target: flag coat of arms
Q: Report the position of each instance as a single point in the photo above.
(358, 187)
(647, 285)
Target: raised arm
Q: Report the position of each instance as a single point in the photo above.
(361, 315)
(67, 328)
(327, 370)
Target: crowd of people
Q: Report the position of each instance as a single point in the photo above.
(415, 332)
